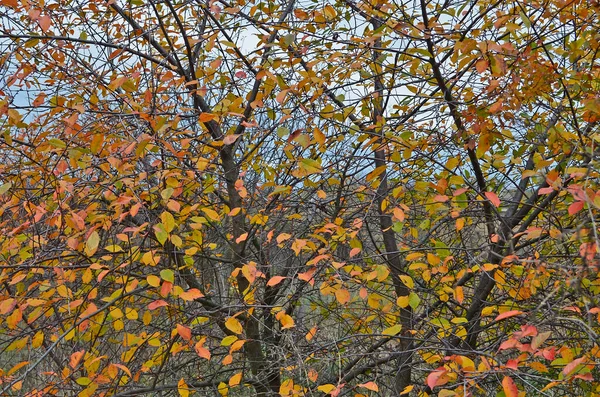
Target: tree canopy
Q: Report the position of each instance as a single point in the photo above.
(292, 197)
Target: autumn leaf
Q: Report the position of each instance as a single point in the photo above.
(191, 294)
(509, 387)
(493, 198)
(230, 139)
(182, 388)
(369, 386)
(184, 331)
(508, 314)
(273, 281)
(342, 295)
(393, 330)
(234, 325)
(437, 378)
(91, 244)
(156, 304)
(201, 350)
(235, 379)
(76, 358)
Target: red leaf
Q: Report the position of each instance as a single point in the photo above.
(241, 74)
(576, 207)
(510, 313)
(510, 389)
(512, 364)
(437, 378)
(45, 23)
(157, 304)
(570, 367)
(493, 198)
(229, 139)
(481, 66)
(440, 198)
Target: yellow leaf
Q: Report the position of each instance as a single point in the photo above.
(402, 301)
(234, 325)
(285, 319)
(408, 281)
(329, 12)
(182, 388)
(91, 245)
(228, 340)
(212, 214)
(310, 166)
(153, 281)
(394, 330)
(223, 389)
(328, 388)
(414, 255)
(168, 221)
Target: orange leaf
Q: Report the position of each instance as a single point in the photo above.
(399, 214)
(123, 368)
(157, 304)
(481, 66)
(370, 386)
(354, 252)
(311, 333)
(510, 389)
(184, 332)
(205, 117)
(76, 358)
(191, 294)
(493, 198)
(510, 313)
(201, 350)
(496, 107)
(275, 280)
(342, 295)
(235, 379)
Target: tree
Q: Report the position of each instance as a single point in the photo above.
(294, 198)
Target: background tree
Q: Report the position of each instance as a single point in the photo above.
(297, 198)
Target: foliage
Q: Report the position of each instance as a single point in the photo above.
(299, 198)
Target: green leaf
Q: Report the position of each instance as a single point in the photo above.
(4, 187)
(311, 166)
(414, 300)
(167, 275)
(57, 143)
